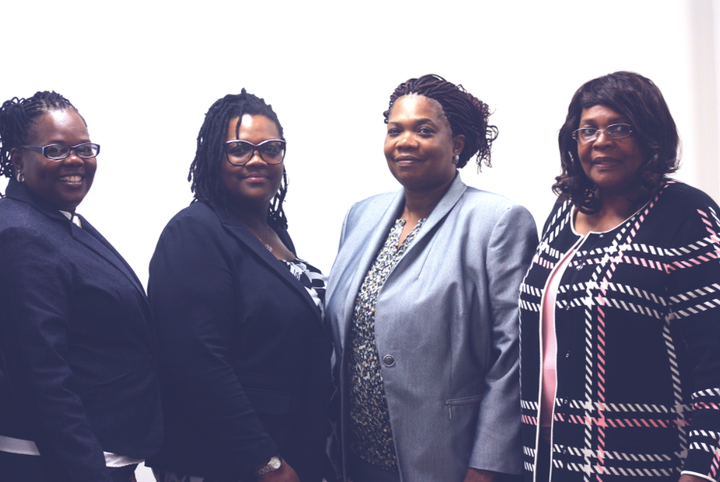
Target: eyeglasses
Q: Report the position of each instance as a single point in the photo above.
(614, 131)
(58, 152)
(239, 152)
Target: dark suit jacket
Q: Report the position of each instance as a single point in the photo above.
(245, 356)
(78, 374)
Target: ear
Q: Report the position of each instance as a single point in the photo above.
(16, 158)
(458, 144)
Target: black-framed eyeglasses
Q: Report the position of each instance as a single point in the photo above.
(613, 131)
(239, 152)
(58, 152)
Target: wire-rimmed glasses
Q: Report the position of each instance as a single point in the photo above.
(613, 131)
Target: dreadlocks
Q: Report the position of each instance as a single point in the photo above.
(205, 169)
(16, 117)
(467, 115)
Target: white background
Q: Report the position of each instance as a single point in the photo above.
(143, 74)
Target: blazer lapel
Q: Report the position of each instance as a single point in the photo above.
(240, 232)
(364, 254)
(91, 237)
(447, 202)
(93, 241)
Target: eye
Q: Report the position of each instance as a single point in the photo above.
(239, 149)
(273, 149)
(55, 150)
(618, 130)
(85, 150)
(393, 131)
(426, 131)
(587, 132)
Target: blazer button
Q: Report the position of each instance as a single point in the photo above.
(389, 360)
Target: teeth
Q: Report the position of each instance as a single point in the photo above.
(71, 178)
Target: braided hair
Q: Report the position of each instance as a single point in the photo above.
(17, 116)
(205, 175)
(467, 115)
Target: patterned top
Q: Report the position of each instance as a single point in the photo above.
(311, 278)
(637, 328)
(371, 434)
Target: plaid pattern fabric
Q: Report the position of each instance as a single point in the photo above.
(637, 326)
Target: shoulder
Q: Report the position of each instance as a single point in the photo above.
(493, 208)
(197, 217)
(21, 221)
(372, 207)
(684, 197)
(197, 212)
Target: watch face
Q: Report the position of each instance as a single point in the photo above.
(273, 464)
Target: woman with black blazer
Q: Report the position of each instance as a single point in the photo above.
(245, 355)
(79, 395)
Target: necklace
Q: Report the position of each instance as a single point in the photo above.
(267, 238)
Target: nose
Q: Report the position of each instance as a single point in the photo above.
(406, 141)
(73, 158)
(255, 157)
(602, 139)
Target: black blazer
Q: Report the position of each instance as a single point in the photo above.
(245, 356)
(78, 372)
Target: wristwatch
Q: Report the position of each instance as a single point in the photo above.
(271, 466)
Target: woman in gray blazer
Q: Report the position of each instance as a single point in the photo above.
(422, 299)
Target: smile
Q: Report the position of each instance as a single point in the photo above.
(71, 179)
(605, 161)
(406, 159)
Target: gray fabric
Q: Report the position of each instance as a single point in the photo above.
(448, 316)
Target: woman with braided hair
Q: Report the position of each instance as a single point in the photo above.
(79, 394)
(244, 350)
(422, 300)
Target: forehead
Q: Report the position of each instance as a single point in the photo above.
(601, 113)
(414, 106)
(252, 127)
(58, 125)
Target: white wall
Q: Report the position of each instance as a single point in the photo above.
(144, 73)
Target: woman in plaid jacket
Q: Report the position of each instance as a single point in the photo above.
(620, 310)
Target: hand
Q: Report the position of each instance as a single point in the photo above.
(691, 478)
(478, 475)
(284, 474)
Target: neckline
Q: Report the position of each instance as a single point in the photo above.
(574, 217)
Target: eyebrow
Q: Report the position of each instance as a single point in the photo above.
(422, 120)
(614, 120)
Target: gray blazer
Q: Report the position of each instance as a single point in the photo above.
(446, 328)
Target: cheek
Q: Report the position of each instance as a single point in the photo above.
(388, 149)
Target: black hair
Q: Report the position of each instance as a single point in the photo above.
(205, 168)
(639, 100)
(17, 116)
(467, 115)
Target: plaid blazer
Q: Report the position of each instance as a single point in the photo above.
(637, 327)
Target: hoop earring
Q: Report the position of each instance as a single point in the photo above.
(20, 177)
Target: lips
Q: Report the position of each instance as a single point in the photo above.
(605, 161)
(406, 159)
(71, 178)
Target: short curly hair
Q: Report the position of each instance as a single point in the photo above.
(639, 100)
(467, 115)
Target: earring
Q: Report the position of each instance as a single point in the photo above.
(456, 160)
(20, 177)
